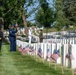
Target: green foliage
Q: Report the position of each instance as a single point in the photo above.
(23, 35)
(46, 15)
(29, 24)
(60, 20)
(12, 11)
(70, 10)
(66, 14)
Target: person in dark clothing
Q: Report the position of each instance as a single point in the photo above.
(12, 37)
(1, 33)
(1, 38)
(41, 36)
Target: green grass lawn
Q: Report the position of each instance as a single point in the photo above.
(13, 63)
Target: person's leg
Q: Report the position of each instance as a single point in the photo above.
(14, 45)
(11, 45)
(0, 45)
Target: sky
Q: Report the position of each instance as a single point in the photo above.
(31, 18)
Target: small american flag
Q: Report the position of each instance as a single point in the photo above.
(20, 48)
(39, 52)
(55, 55)
(31, 50)
(70, 56)
(25, 50)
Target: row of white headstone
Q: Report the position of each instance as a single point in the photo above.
(51, 47)
(64, 40)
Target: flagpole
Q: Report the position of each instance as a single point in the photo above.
(72, 71)
(55, 65)
(55, 60)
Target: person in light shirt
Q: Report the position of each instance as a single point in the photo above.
(30, 35)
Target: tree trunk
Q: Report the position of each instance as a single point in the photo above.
(25, 24)
(2, 24)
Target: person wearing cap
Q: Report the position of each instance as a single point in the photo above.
(30, 35)
(12, 37)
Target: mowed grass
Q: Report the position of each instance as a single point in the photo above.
(13, 63)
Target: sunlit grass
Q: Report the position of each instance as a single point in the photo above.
(13, 63)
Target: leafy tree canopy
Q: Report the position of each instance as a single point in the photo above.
(46, 15)
(12, 10)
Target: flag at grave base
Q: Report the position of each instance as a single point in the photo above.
(70, 56)
(20, 49)
(55, 55)
(39, 52)
(31, 50)
(25, 50)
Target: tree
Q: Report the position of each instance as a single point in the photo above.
(70, 11)
(15, 11)
(66, 14)
(10, 11)
(61, 20)
(45, 15)
(29, 24)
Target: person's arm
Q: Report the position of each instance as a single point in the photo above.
(1, 35)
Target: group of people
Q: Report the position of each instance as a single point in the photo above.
(30, 35)
(13, 34)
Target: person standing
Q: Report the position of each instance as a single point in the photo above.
(12, 37)
(41, 36)
(1, 38)
(30, 35)
(1, 33)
